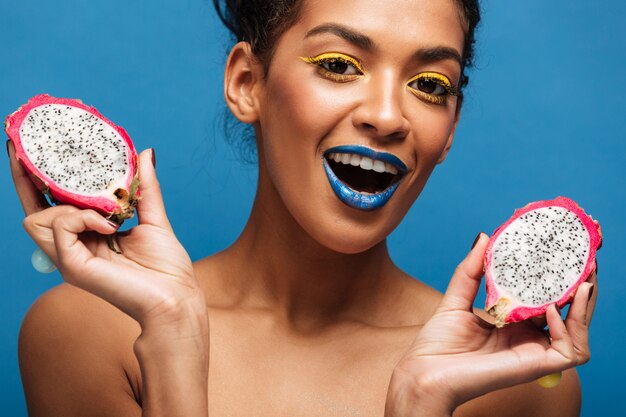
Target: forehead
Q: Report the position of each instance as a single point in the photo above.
(391, 23)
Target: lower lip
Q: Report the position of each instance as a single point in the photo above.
(354, 199)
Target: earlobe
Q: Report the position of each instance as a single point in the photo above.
(240, 81)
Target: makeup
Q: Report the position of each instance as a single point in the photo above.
(336, 66)
(432, 87)
(361, 177)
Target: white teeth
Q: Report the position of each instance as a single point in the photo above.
(379, 166)
(363, 162)
(390, 168)
(366, 163)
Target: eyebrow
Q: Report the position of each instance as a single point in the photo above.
(438, 53)
(356, 38)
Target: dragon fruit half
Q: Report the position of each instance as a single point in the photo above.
(76, 156)
(539, 257)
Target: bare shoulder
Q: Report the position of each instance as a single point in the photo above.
(529, 400)
(75, 353)
(414, 301)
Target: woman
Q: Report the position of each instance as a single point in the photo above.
(308, 314)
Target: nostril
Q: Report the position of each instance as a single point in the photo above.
(369, 126)
(384, 132)
(388, 125)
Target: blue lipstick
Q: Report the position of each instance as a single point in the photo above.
(353, 198)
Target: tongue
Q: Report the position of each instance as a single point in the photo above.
(361, 180)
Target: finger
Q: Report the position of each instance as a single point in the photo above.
(591, 305)
(81, 268)
(466, 279)
(72, 254)
(39, 227)
(577, 322)
(578, 309)
(561, 342)
(31, 198)
(150, 209)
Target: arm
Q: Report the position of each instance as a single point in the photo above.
(174, 363)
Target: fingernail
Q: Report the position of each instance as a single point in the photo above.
(153, 157)
(591, 290)
(113, 224)
(476, 240)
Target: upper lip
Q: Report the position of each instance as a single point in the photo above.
(370, 153)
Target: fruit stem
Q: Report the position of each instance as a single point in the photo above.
(499, 311)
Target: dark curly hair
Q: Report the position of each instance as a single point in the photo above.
(262, 22)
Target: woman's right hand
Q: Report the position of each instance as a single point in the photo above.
(152, 280)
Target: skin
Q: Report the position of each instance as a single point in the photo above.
(308, 314)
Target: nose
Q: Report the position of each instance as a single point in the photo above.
(379, 113)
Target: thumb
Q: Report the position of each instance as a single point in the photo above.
(465, 281)
(150, 208)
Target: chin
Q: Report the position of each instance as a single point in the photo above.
(349, 231)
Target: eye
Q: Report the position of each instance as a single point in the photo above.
(432, 87)
(336, 66)
(339, 66)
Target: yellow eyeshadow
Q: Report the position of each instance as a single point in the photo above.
(334, 56)
(429, 98)
(435, 77)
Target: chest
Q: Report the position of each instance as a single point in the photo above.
(260, 372)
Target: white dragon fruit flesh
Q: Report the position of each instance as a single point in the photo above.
(539, 257)
(75, 155)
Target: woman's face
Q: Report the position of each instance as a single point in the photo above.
(356, 110)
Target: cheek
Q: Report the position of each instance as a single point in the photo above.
(431, 130)
(431, 134)
(306, 109)
(296, 118)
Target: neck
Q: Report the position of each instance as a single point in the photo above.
(277, 267)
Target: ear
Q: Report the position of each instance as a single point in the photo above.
(241, 79)
(451, 137)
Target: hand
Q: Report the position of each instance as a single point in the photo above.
(152, 280)
(458, 356)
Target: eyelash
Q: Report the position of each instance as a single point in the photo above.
(440, 80)
(332, 58)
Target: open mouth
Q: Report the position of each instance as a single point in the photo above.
(361, 177)
(361, 173)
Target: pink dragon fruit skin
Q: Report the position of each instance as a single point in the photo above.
(118, 198)
(541, 237)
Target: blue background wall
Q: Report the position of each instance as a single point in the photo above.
(544, 116)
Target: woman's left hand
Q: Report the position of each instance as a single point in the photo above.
(458, 356)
